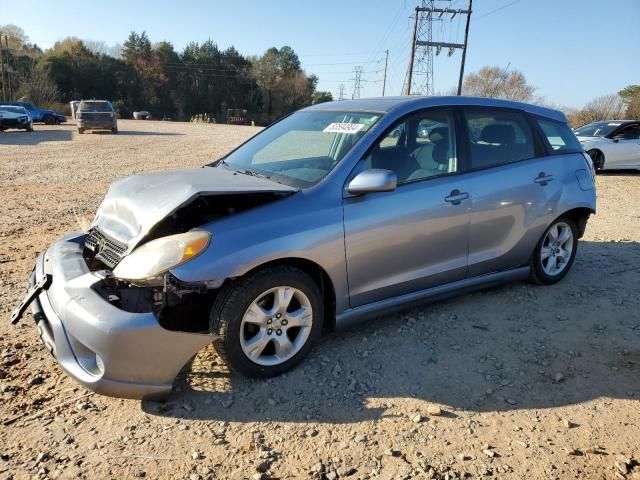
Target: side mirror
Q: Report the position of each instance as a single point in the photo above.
(373, 180)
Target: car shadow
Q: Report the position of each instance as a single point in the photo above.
(619, 173)
(40, 134)
(519, 346)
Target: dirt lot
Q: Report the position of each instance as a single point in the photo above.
(532, 382)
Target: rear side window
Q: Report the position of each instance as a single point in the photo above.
(560, 138)
(498, 137)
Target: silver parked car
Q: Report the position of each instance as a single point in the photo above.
(96, 115)
(340, 212)
(612, 144)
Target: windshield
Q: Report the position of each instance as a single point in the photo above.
(302, 148)
(13, 109)
(597, 129)
(95, 107)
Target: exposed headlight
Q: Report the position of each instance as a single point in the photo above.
(158, 256)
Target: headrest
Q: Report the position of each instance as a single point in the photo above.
(498, 133)
(439, 135)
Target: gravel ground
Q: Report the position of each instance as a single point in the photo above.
(515, 382)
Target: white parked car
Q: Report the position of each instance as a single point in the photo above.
(12, 116)
(612, 144)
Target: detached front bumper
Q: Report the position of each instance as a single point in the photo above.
(106, 349)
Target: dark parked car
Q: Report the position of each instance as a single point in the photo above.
(337, 213)
(96, 115)
(40, 115)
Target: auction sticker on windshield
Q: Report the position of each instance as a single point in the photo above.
(344, 128)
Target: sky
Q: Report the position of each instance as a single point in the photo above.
(570, 50)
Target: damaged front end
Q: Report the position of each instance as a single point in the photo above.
(149, 224)
(142, 281)
(106, 303)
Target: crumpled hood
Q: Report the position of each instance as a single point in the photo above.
(134, 205)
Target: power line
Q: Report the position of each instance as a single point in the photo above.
(497, 9)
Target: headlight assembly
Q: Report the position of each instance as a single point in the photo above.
(156, 257)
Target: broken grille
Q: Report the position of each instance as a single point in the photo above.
(106, 249)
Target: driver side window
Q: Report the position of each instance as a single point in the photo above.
(630, 133)
(418, 147)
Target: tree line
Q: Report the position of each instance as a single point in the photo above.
(141, 75)
(203, 80)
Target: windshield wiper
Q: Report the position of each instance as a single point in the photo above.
(253, 173)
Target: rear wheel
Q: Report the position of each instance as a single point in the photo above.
(267, 322)
(49, 120)
(597, 157)
(555, 252)
(81, 131)
(114, 130)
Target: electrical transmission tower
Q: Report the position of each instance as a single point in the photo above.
(341, 97)
(357, 72)
(428, 16)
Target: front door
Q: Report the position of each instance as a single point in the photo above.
(416, 236)
(624, 149)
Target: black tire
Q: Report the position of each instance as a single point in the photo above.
(234, 299)
(81, 131)
(538, 274)
(114, 130)
(597, 158)
(49, 120)
(30, 129)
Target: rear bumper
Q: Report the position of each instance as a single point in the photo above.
(96, 124)
(106, 349)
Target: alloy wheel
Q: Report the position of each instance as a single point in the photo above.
(276, 326)
(556, 249)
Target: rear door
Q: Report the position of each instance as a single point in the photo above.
(513, 186)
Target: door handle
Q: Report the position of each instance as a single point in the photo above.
(456, 196)
(542, 179)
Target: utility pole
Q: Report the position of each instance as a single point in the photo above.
(464, 50)
(386, 61)
(4, 94)
(357, 71)
(413, 53)
(423, 46)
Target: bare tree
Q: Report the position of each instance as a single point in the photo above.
(37, 87)
(606, 107)
(496, 82)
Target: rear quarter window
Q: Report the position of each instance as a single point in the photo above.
(558, 136)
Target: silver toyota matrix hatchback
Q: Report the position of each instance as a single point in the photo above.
(337, 213)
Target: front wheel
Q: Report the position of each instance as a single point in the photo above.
(555, 252)
(597, 158)
(268, 321)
